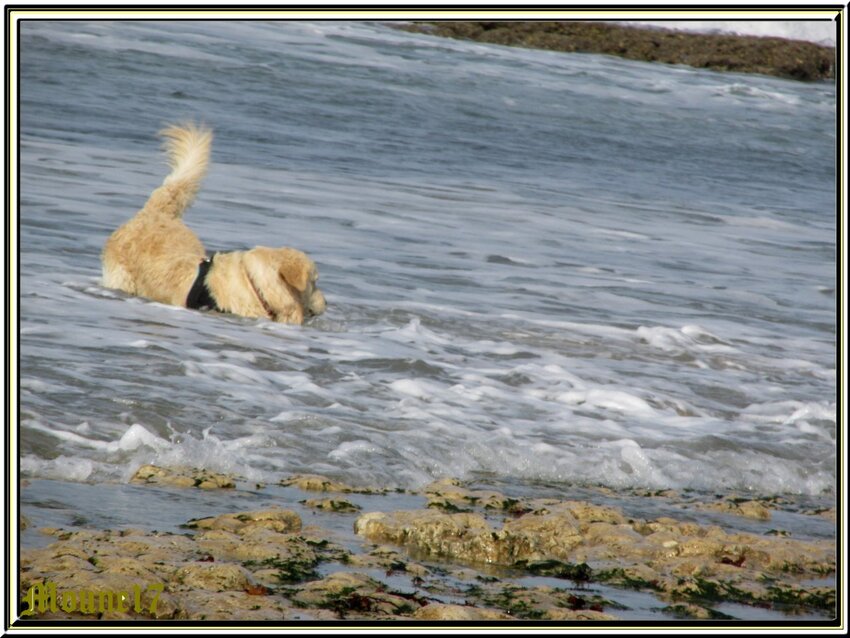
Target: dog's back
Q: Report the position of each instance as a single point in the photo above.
(154, 254)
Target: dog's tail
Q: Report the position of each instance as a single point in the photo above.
(188, 149)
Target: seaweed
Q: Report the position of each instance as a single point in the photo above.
(290, 570)
(578, 573)
(783, 597)
(618, 577)
(448, 506)
(507, 601)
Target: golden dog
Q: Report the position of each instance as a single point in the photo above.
(155, 255)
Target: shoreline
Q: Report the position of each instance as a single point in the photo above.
(779, 57)
(311, 549)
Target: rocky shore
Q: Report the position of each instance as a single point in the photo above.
(462, 555)
(792, 59)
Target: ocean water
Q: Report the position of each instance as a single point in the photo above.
(540, 268)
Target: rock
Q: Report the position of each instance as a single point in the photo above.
(829, 513)
(318, 483)
(182, 477)
(213, 577)
(261, 545)
(440, 611)
(689, 610)
(466, 537)
(265, 565)
(469, 537)
(449, 495)
(581, 614)
(792, 59)
(109, 595)
(332, 505)
(616, 541)
(747, 509)
(126, 566)
(354, 595)
(339, 581)
(754, 509)
(588, 513)
(539, 536)
(389, 560)
(206, 605)
(679, 560)
(189, 575)
(276, 519)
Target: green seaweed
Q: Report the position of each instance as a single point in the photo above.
(522, 609)
(396, 566)
(510, 505)
(579, 573)
(291, 570)
(618, 577)
(348, 600)
(507, 601)
(793, 598)
(785, 597)
(334, 505)
(327, 551)
(318, 544)
(719, 591)
(448, 506)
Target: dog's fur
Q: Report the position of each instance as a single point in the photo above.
(155, 255)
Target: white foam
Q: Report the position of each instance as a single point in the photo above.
(760, 222)
(617, 400)
(359, 448)
(38, 386)
(134, 437)
(227, 372)
(621, 234)
(285, 416)
(418, 389)
(689, 338)
(415, 332)
(766, 98)
(107, 42)
(62, 468)
(479, 392)
(636, 462)
(233, 455)
(138, 436)
(789, 412)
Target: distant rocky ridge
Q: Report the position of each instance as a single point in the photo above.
(792, 59)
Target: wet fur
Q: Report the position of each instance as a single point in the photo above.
(155, 255)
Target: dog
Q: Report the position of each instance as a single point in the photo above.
(155, 255)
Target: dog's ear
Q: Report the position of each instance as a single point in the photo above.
(295, 268)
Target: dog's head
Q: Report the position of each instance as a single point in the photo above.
(284, 282)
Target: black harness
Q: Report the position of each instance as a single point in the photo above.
(200, 297)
